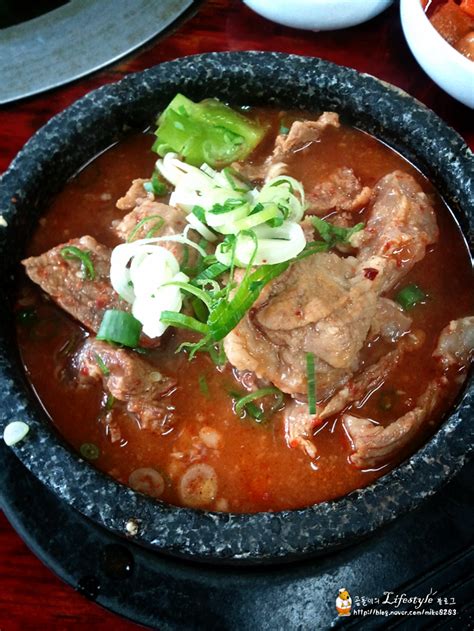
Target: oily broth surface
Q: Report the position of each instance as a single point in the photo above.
(256, 471)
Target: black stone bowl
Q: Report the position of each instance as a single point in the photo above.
(75, 136)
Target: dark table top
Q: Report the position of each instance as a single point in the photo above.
(31, 597)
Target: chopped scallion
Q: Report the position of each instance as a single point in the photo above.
(332, 234)
(203, 387)
(246, 403)
(311, 378)
(89, 451)
(210, 273)
(158, 222)
(410, 296)
(159, 187)
(254, 411)
(180, 320)
(103, 368)
(217, 353)
(120, 327)
(71, 252)
(200, 310)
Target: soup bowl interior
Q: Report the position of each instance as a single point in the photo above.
(100, 119)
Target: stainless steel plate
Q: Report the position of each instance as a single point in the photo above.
(77, 39)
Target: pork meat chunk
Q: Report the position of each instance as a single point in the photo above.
(310, 290)
(128, 378)
(371, 377)
(135, 195)
(64, 280)
(311, 308)
(340, 191)
(300, 135)
(456, 343)
(316, 308)
(167, 220)
(299, 426)
(299, 423)
(303, 133)
(390, 320)
(374, 444)
(401, 225)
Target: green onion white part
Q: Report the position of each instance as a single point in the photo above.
(289, 241)
(14, 432)
(227, 203)
(138, 272)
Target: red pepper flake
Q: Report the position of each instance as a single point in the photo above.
(370, 272)
(298, 313)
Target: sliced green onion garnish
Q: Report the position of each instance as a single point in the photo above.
(254, 411)
(203, 387)
(158, 222)
(191, 289)
(258, 394)
(174, 318)
(270, 211)
(200, 310)
(229, 205)
(311, 383)
(110, 402)
(185, 260)
(155, 185)
(334, 234)
(312, 248)
(103, 368)
(217, 353)
(213, 271)
(410, 296)
(159, 187)
(200, 213)
(89, 451)
(233, 245)
(120, 327)
(233, 179)
(71, 252)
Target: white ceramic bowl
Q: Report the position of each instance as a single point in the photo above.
(318, 15)
(453, 72)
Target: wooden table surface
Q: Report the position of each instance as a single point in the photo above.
(31, 597)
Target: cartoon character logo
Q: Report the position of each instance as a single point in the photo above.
(343, 603)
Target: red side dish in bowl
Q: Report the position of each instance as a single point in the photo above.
(343, 362)
(454, 21)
